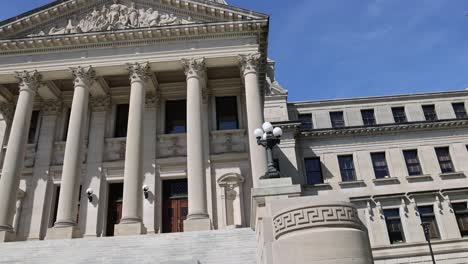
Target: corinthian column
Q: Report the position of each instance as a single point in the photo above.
(197, 218)
(131, 223)
(65, 226)
(13, 164)
(249, 69)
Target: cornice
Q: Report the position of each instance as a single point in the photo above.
(133, 37)
(386, 128)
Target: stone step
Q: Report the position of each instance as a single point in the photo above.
(208, 247)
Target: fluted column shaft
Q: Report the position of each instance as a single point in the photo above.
(249, 70)
(133, 173)
(195, 72)
(13, 164)
(71, 173)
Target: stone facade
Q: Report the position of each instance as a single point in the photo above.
(68, 70)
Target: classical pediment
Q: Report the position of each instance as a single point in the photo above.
(86, 16)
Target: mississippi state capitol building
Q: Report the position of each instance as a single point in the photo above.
(133, 119)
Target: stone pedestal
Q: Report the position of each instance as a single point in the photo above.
(298, 230)
(7, 236)
(129, 229)
(195, 224)
(63, 232)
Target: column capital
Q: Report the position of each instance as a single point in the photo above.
(100, 103)
(249, 63)
(52, 107)
(8, 111)
(29, 80)
(152, 100)
(139, 72)
(84, 76)
(194, 67)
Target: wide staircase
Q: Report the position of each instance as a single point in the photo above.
(236, 246)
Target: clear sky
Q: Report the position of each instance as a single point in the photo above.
(350, 48)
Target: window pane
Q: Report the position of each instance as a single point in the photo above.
(394, 227)
(306, 121)
(399, 114)
(426, 213)
(429, 112)
(176, 112)
(33, 127)
(368, 117)
(461, 214)
(337, 119)
(226, 113)
(459, 109)
(379, 163)
(121, 120)
(346, 164)
(445, 161)
(313, 171)
(412, 162)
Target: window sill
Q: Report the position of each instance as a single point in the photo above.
(352, 184)
(452, 175)
(386, 181)
(320, 186)
(419, 178)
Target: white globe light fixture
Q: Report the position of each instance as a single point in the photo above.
(268, 137)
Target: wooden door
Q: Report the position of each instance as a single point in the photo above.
(114, 207)
(176, 213)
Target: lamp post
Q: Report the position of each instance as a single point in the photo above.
(426, 228)
(268, 137)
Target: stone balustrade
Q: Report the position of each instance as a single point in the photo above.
(172, 145)
(225, 141)
(114, 149)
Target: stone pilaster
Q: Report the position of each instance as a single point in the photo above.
(131, 223)
(65, 226)
(13, 164)
(197, 218)
(249, 70)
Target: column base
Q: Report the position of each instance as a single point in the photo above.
(63, 232)
(197, 224)
(7, 236)
(129, 229)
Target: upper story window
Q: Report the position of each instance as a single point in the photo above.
(461, 213)
(445, 161)
(399, 114)
(394, 227)
(176, 117)
(337, 119)
(226, 113)
(379, 163)
(306, 121)
(348, 173)
(368, 117)
(66, 124)
(412, 162)
(313, 168)
(426, 213)
(121, 120)
(429, 112)
(33, 127)
(459, 109)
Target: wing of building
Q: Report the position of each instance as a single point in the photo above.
(138, 117)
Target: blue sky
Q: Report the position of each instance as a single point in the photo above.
(342, 48)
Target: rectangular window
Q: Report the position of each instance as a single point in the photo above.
(394, 227)
(429, 112)
(121, 121)
(399, 114)
(461, 214)
(337, 119)
(226, 113)
(66, 124)
(379, 162)
(313, 168)
(426, 213)
(348, 173)
(368, 117)
(412, 162)
(176, 117)
(459, 109)
(306, 121)
(33, 127)
(445, 161)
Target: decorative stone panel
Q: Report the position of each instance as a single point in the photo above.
(59, 153)
(315, 216)
(115, 149)
(172, 145)
(30, 156)
(226, 141)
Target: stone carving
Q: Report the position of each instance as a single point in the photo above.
(8, 111)
(29, 80)
(100, 103)
(83, 75)
(116, 17)
(249, 62)
(138, 71)
(51, 107)
(315, 216)
(194, 67)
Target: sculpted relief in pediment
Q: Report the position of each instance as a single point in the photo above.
(115, 17)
